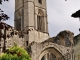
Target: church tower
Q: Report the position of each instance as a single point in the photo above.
(31, 17)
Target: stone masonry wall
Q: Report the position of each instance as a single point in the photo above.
(77, 47)
(12, 37)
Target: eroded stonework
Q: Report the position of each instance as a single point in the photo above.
(55, 46)
(39, 49)
(31, 33)
(77, 47)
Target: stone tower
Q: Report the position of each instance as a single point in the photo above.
(31, 17)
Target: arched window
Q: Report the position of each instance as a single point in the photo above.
(49, 56)
(40, 21)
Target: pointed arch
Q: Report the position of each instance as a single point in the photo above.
(53, 51)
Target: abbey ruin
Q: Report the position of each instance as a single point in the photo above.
(30, 31)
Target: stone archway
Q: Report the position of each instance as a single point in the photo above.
(60, 52)
(50, 51)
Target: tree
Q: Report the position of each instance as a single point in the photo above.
(2, 1)
(15, 53)
(3, 17)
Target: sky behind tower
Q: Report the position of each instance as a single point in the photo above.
(59, 15)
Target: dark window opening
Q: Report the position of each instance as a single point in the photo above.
(26, 43)
(40, 1)
(39, 22)
(0, 44)
(43, 58)
(49, 56)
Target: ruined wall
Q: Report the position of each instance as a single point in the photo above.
(77, 47)
(38, 49)
(12, 37)
(42, 45)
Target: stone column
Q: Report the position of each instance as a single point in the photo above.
(46, 57)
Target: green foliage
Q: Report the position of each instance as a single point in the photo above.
(15, 53)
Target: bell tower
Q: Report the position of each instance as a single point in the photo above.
(31, 17)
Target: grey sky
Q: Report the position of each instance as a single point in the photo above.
(59, 15)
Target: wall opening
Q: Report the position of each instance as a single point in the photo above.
(40, 1)
(49, 56)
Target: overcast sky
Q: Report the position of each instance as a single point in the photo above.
(59, 15)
